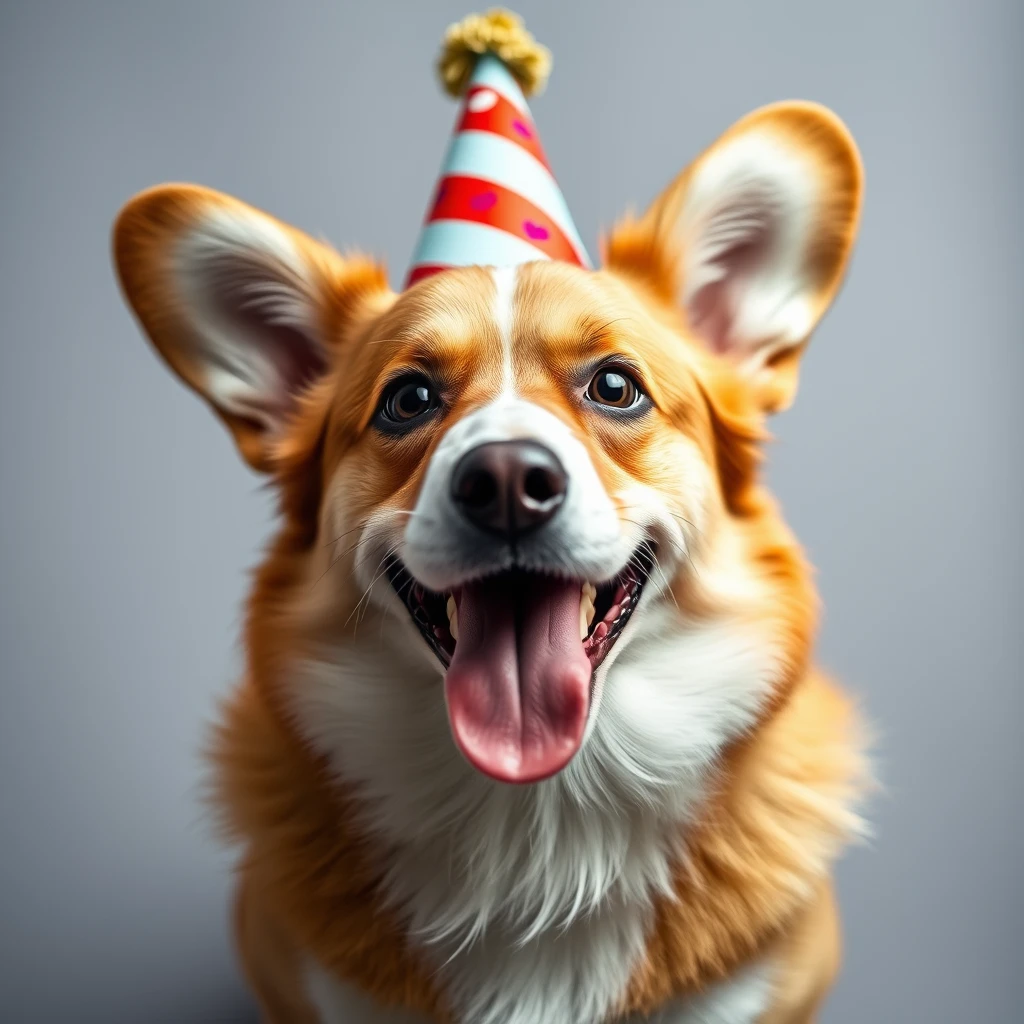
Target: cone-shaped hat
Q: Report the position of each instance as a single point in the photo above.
(497, 202)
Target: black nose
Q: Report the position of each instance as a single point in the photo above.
(509, 487)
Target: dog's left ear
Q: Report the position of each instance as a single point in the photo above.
(248, 311)
(752, 240)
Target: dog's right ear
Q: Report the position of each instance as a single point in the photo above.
(246, 310)
(752, 240)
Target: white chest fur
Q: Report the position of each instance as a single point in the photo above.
(741, 1000)
(534, 902)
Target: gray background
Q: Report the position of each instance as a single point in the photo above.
(128, 523)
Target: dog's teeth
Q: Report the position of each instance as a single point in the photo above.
(586, 609)
(590, 591)
(453, 618)
(586, 617)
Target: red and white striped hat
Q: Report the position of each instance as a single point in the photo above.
(497, 202)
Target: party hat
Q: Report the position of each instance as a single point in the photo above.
(497, 202)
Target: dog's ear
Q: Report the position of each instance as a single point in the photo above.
(246, 310)
(752, 240)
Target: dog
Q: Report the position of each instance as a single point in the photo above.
(530, 729)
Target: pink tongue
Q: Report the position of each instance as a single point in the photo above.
(519, 691)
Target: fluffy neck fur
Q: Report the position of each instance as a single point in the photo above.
(768, 836)
(386, 879)
(701, 814)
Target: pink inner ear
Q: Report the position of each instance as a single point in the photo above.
(713, 307)
(273, 353)
(709, 316)
(297, 360)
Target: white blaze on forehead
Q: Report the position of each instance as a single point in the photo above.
(504, 294)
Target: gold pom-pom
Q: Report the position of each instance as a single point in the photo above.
(499, 32)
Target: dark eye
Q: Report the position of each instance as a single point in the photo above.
(615, 388)
(407, 399)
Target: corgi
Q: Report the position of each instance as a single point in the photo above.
(531, 729)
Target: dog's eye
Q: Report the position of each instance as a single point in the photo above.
(614, 387)
(407, 399)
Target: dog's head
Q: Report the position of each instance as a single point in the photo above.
(537, 484)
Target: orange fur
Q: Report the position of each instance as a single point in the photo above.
(308, 869)
(755, 866)
(752, 877)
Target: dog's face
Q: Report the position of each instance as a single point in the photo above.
(531, 459)
(516, 479)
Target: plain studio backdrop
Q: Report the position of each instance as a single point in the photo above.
(129, 524)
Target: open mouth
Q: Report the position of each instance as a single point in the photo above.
(520, 649)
